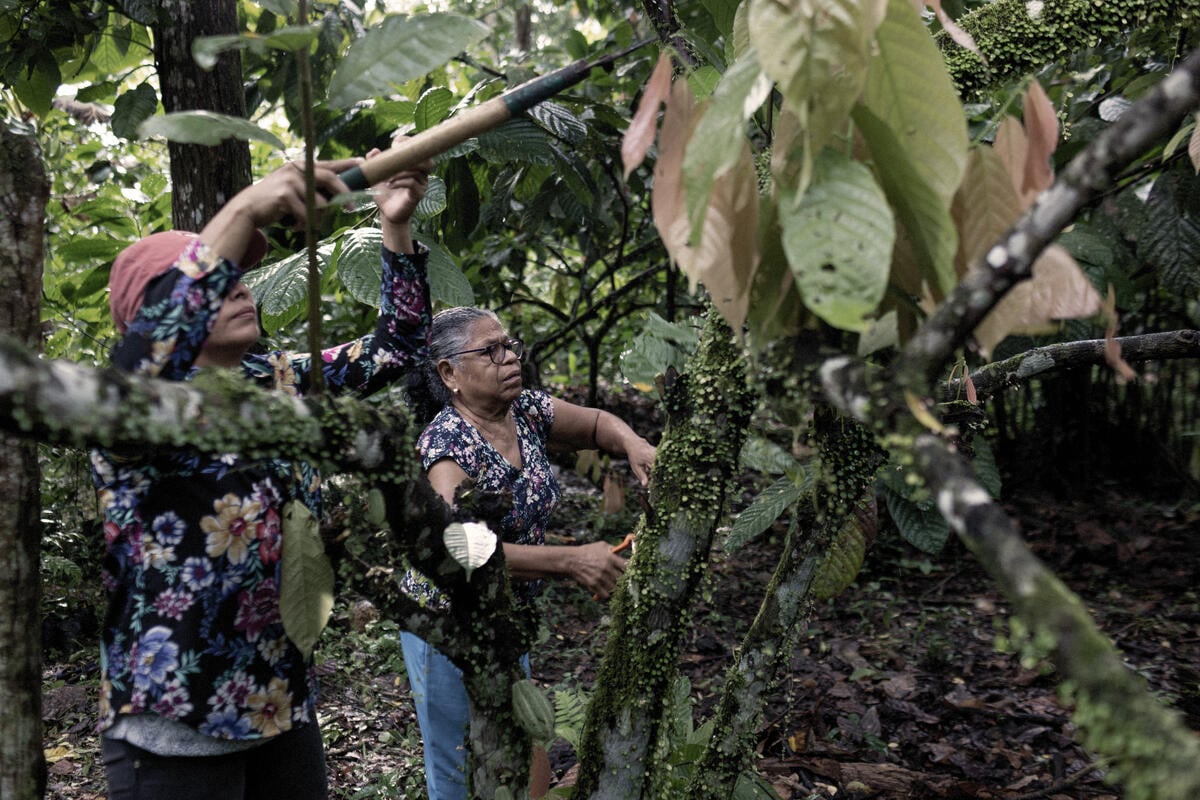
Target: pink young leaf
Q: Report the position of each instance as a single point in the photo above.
(640, 133)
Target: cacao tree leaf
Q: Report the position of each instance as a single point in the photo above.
(640, 133)
(908, 89)
(987, 204)
(282, 8)
(838, 238)
(721, 133)
(306, 583)
(205, 127)
(398, 51)
(726, 256)
(1041, 131)
(929, 233)
(1058, 290)
(817, 51)
(359, 264)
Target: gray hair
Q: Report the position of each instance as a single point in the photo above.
(449, 333)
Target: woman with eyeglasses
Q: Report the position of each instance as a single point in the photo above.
(488, 428)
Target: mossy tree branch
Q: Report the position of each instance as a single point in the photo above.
(708, 410)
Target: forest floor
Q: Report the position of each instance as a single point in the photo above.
(898, 688)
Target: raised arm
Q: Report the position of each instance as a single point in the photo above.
(177, 281)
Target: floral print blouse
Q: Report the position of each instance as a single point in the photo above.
(535, 490)
(192, 561)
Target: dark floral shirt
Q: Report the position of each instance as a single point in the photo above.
(535, 489)
(193, 542)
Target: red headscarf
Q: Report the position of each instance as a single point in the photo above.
(146, 259)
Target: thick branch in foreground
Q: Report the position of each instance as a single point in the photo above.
(1155, 755)
(65, 403)
(1144, 124)
(708, 410)
(1010, 372)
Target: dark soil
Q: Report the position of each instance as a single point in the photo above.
(897, 689)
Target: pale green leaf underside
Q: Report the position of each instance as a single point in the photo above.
(400, 50)
(838, 241)
(909, 89)
(306, 585)
(926, 219)
(206, 127)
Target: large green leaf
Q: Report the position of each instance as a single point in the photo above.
(400, 50)
(838, 239)
(920, 524)
(132, 109)
(359, 265)
(447, 283)
(433, 106)
(283, 285)
(909, 90)
(720, 134)
(559, 120)
(817, 51)
(306, 582)
(207, 49)
(519, 139)
(766, 508)
(926, 219)
(206, 127)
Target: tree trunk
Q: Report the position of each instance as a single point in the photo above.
(848, 461)
(203, 178)
(23, 194)
(708, 411)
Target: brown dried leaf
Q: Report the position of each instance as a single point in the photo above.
(640, 133)
(1057, 290)
(1041, 132)
(1012, 145)
(961, 37)
(985, 206)
(1112, 348)
(726, 257)
(614, 494)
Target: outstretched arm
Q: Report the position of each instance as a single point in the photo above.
(582, 428)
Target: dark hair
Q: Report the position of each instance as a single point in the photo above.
(449, 332)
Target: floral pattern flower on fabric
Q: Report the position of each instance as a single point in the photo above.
(535, 490)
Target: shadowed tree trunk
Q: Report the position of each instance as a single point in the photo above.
(203, 178)
(23, 194)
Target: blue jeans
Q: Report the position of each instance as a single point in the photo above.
(444, 715)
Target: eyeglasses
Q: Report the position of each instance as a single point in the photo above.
(496, 350)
